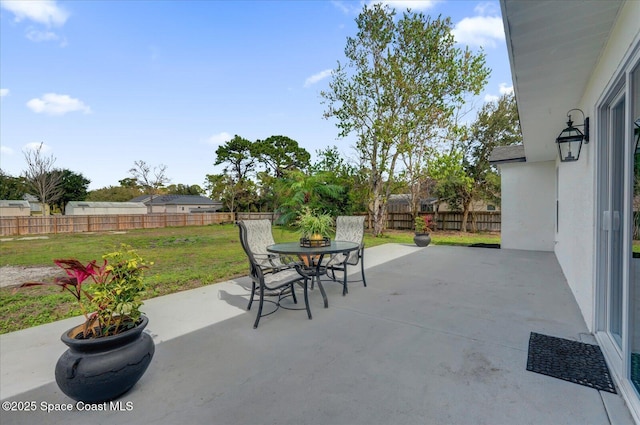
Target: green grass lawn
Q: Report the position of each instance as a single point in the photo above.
(183, 257)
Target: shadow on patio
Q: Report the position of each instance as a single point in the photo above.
(439, 336)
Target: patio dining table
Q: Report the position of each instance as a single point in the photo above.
(313, 256)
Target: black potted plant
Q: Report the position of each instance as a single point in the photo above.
(110, 352)
(422, 236)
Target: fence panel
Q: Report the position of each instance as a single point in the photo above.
(486, 221)
(38, 225)
(257, 216)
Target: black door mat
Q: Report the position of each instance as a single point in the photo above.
(485, 245)
(635, 370)
(569, 360)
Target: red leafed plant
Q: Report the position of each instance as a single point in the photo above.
(111, 300)
(423, 224)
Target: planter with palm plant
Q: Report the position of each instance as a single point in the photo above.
(314, 227)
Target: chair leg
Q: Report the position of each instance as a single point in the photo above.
(306, 298)
(253, 294)
(362, 266)
(293, 294)
(345, 290)
(255, 325)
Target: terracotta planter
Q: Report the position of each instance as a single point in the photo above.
(101, 369)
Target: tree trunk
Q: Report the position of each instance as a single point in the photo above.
(378, 212)
(378, 221)
(465, 216)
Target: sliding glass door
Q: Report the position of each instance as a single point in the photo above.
(618, 263)
(634, 272)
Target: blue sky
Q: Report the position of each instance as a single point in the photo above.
(105, 83)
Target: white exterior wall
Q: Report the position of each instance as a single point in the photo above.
(14, 208)
(109, 208)
(528, 205)
(575, 248)
(576, 227)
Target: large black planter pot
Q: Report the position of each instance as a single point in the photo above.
(102, 369)
(422, 239)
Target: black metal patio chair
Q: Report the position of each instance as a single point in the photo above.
(270, 275)
(351, 229)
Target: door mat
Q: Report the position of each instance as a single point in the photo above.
(635, 370)
(569, 360)
(485, 245)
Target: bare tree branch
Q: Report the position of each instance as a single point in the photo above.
(150, 180)
(42, 178)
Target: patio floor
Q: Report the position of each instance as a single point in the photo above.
(439, 336)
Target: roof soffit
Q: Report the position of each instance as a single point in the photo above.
(553, 48)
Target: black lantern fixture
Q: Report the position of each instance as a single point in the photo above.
(570, 140)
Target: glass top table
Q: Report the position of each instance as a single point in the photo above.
(313, 257)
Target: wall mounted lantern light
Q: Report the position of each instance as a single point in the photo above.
(570, 140)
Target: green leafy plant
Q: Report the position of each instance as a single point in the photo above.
(310, 223)
(422, 224)
(111, 302)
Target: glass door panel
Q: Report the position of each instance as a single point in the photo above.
(615, 218)
(634, 272)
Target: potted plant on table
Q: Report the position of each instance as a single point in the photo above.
(110, 352)
(314, 227)
(422, 236)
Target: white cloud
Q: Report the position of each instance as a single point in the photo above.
(37, 36)
(479, 31)
(219, 139)
(4, 92)
(409, 4)
(504, 89)
(57, 104)
(350, 7)
(491, 98)
(33, 146)
(487, 8)
(6, 151)
(345, 8)
(45, 12)
(317, 77)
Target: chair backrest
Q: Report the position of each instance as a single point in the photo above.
(350, 228)
(255, 236)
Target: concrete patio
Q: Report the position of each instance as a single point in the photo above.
(439, 336)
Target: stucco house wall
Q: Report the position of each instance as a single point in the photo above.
(104, 208)
(528, 222)
(14, 208)
(576, 244)
(594, 67)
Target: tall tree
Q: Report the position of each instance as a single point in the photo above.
(402, 78)
(13, 188)
(454, 186)
(42, 178)
(74, 188)
(184, 189)
(280, 154)
(234, 195)
(151, 180)
(239, 156)
(497, 124)
(314, 191)
(340, 172)
(113, 194)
